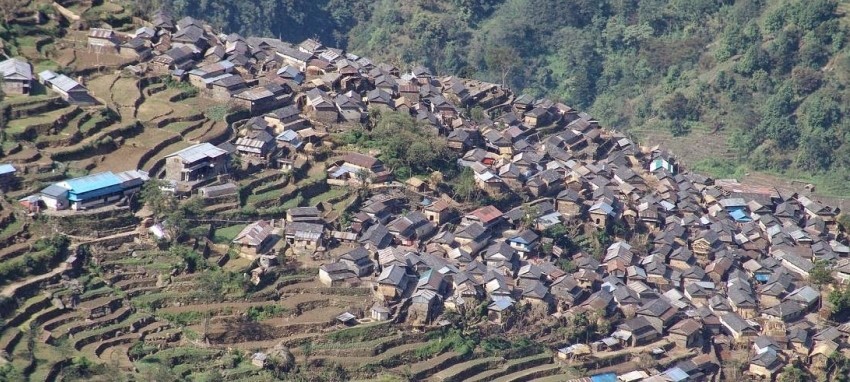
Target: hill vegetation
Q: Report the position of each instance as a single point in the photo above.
(764, 79)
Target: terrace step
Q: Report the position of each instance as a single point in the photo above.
(424, 369)
(111, 319)
(61, 320)
(14, 251)
(529, 374)
(112, 331)
(462, 370)
(135, 283)
(10, 339)
(512, 366)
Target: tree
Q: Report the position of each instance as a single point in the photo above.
(157, 200)
(529, 215)
(792, 373)
(465, 186)
(820, 274)
(503, 59)
(840, 301)
(838, 367)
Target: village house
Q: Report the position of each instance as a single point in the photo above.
(766, 364)
(260, 99)
(336, 274)
(136, 48)
(93, 190)
(8, 178)
(321, 107)
(355, 168)
(254, 239)
(637, 332)
(305, 236)
(17, 76)
(287, 118)
(358, 261)
(686, 333)
(103, 41)
(175, 59)
(195, 165)
(70, 90)
(437, 212)
(392, 282)
(304, 215)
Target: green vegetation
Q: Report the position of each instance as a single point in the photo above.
(358, 334)
(407, 146)
(186, 89)
(764, 77)
(264, 312)
(840, 301)
(227, 234)
(182, 318)
(46, 254)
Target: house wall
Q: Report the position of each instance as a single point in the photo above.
(219, 93)
(568, 209)
(173, 168)
(54, 204)
(322, 115)
(96, 202)
(131, 53)
(248, 252)
(388, 291)
(16, 87)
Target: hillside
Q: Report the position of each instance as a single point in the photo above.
(729, 86)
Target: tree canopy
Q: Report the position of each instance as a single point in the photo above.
(769, 75)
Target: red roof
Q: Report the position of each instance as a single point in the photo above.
(486, 214)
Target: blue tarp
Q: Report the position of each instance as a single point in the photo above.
(740, 215)
(607, 377)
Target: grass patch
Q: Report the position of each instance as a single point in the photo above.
(333, 193)
(227, 234)
(359, 333)
(11, 229)
(266, 196)
(183, 318)
(720, 168)
(18, 125)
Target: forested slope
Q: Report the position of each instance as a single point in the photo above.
(766, 78)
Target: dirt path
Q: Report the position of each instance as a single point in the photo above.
(9, 290)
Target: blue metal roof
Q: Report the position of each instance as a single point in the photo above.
(6, 169)
(607, 377)
(93, 182)
(676, 374)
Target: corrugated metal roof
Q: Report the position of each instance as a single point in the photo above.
(55, 190)
(7, 169)
(15, 68)
(101, 33)
(64, 83)
(197, 152)
(92, 182)
(47, 75)
(133, 175)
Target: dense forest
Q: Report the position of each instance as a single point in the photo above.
(768, 75)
